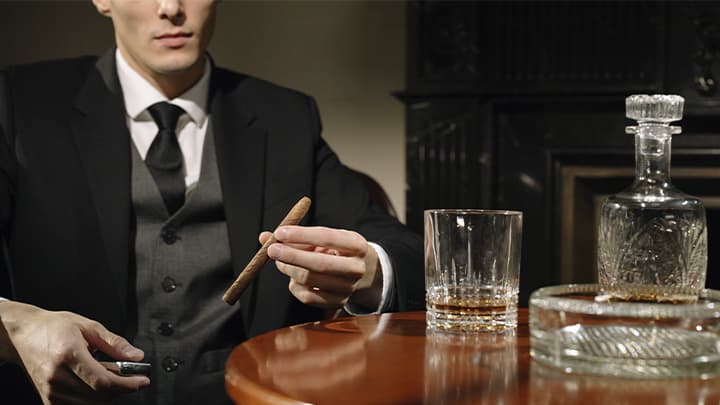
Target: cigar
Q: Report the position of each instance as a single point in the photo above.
(293, 217)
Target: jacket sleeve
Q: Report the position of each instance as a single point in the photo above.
(342, 201)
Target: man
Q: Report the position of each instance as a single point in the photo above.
(133, 188)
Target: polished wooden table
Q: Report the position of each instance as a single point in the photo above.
(392, 359)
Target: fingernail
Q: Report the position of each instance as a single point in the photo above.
(144, 383)
(281, 233)
(275, 250)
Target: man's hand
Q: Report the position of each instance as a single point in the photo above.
(327, 267)
(55, 348)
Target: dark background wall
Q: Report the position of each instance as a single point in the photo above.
(520, 105)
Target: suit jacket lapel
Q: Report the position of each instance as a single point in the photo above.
(241, 149)
(103, 143)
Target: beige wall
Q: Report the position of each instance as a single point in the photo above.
(348, 54)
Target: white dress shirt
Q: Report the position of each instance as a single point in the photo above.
(138, 95)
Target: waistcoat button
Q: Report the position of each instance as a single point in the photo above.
(166, 329)
(168, 284)
(170, 364)
(169, 236)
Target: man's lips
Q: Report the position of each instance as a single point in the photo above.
(174, 40)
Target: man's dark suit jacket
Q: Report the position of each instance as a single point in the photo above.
(66, 214)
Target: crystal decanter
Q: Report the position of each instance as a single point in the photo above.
(652, 239)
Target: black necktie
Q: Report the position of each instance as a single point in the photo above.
(164, 158)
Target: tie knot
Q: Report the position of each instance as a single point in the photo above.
(165, 115)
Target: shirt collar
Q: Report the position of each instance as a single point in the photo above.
(139, 94)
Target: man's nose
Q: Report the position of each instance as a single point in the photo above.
(170, 8)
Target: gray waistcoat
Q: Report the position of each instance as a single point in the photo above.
(182, 269)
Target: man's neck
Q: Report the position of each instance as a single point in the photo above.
(171, 84)
(174, 84)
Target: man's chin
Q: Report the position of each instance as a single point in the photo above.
(179, 65)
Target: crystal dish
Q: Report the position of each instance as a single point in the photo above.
(573, 327)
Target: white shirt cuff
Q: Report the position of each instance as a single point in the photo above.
(388, 285)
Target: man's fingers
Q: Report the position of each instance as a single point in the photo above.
(348, 243)
(111, 344)
(94, 374)
(73, 386)
(338, 285)
(80, 382)
(101, 380)
(324, 263)
(328, 273)
(266, 235)
(315, 297)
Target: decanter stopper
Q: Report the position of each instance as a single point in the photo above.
(660, 108)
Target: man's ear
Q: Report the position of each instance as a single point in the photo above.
(102, 7)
